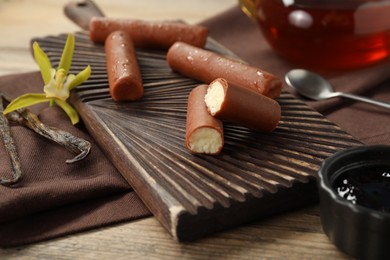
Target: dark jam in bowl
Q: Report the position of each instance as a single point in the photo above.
(365, 185)
(354, 191)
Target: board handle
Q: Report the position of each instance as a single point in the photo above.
(81, 12)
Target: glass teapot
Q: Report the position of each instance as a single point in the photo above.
(330, 34)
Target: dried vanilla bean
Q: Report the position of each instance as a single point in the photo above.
(24, 116)
(10, 147)
(74, 144)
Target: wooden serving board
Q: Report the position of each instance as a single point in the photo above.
(255, 176)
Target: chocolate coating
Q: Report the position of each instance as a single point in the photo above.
(123, 72)
(147, 34)
(204, 133)
(206, 66)
(243, 106)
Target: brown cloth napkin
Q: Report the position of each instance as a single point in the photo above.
(54, 198)
(365, 122)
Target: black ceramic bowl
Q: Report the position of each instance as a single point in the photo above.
(354, 189)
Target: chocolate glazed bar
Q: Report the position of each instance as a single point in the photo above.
(123, 72)
(206, 66)
(242, 106)
(147, 34)
(255, 175)
(204, 133)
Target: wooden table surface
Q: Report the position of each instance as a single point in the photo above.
(292, 235)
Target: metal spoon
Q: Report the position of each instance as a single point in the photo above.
(312, 85)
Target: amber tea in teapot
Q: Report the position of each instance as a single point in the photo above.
(330, 34)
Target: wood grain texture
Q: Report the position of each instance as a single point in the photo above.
(255, 176)
(294, 235)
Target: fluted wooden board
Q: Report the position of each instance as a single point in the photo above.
(255, 176)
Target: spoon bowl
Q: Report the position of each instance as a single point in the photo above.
(313, 86)
(309, 84)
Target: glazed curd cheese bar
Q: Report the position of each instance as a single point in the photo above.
(204, 133)
(206, 66)
(242, 106)
(124, 76)
(148, 34)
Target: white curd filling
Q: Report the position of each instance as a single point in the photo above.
(206, 140)
(214, 97)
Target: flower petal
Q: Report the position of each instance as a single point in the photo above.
(53, 91)
(80, 77)
(69, 110)
(67, 54)
(43, 62)
(24, 101)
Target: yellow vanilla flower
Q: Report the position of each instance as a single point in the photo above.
(58, 86)
(58, 83)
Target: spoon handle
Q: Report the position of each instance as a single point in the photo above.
(367, 100)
